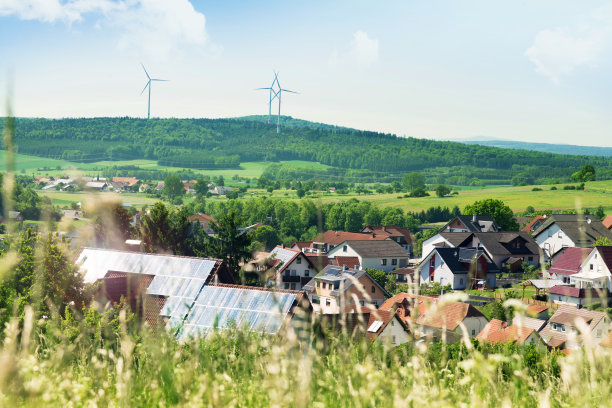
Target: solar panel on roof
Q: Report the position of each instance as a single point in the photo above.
(253, 308)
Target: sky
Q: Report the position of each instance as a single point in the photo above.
(537, 71)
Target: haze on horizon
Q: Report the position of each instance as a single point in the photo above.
(529, 72)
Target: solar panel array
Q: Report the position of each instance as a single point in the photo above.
(178, 279)
(283, 254)
(219, 307)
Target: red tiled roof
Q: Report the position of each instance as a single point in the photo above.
(497, 331)
(350, 261)
(130, 181)
(391, 231)
(535, 309)
(575, 292)
(448, 316)
(569, 262)
(529, 227)
(338, 237)
(607, 222)
(201, 217)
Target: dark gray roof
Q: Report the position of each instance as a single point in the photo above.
(459, 260)
(375, 249)
(495, 243)
(584, 230)
(475, 226)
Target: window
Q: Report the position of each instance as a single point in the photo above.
(591, 266)
(373, 289)
(559, 235)
(393, 341)
(324, 285)
(293, 286)
(298, 260)
(461, 281)
(530, 258)
(473, 332)
(362, 302)
(307, 272)
(318, 284)
(431, 278)
(344, 248)
(394, 261)
(383, 262)
(327, 302)
(392, 322)
(286, 286)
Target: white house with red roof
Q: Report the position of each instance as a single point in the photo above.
(204, 221)
(568, 263)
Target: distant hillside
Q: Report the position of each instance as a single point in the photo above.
(225, 143)
(546, 147)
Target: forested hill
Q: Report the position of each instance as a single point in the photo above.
(546, 147)
(225, 143)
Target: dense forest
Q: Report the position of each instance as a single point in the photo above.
(225, 143)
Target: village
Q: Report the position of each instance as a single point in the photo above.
(557, 270)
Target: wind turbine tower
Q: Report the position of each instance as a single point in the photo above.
(149, 85)
(276, 91)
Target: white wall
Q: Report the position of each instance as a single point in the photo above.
(553, 240)
(429, 244)
(394, 328)
(296, 270)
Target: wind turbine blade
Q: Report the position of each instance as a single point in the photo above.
(145, 88)
(286, 90)
(160, 80)
(259, 89)
(145, 70)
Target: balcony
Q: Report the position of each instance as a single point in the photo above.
(287, 278)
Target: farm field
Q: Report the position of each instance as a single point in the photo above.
(27, 164)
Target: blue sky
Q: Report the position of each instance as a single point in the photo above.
(522, 70)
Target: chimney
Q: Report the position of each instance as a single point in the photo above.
(473, 217)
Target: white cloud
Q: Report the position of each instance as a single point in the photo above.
(155, 27)
(363, 51)
(560, 51)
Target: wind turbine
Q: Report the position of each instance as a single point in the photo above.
(149, 85)
(276, 91)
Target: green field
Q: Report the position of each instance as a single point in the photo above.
(34, 165)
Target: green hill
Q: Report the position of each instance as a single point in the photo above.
(225, 143)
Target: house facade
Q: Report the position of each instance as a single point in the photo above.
(562, 331)
(334, 289)
(503, 248)
(204, 221)
(497, 331)
(383, 255)
(561, 231)
(462, 268)
(401, 235)
(292, 269)
(568, 264)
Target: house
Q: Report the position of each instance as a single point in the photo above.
(188, 185)
(330, 239)
(537, 312)
(401, 235)
(592, 283)
(562, 330)
(128, 181)
(382, 255)
(359, 322)
(387, 327)
(320, 261)
(505, 249)
(561, 231)
(292, 269)
(535, 223)
(334, 288)
(462, 268)
(15, 216)
(96, 185)
(426, 318)
(607, 222)
(568, 263)
(160, 186)
(351, 262)
(497, 331)
(471, 223)
(536, 324)
(163, 287)
(219, 306)
(204, 221)
(220, 190)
